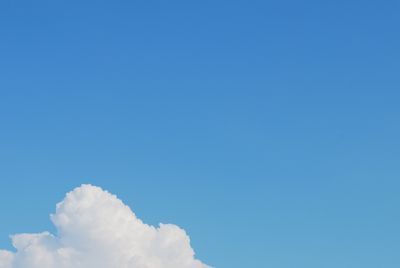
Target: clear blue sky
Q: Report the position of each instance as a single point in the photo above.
(269, 130)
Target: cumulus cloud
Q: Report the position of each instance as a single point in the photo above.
(96, 230)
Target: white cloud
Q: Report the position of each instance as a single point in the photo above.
(96, 230)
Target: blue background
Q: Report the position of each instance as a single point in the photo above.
(269, 130)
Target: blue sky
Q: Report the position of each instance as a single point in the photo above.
(267, 129)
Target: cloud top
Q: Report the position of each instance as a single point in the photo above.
(96, 230)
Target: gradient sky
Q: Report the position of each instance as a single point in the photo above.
(269, 130)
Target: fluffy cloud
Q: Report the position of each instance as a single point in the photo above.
(96, 230)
